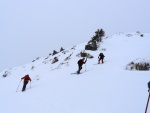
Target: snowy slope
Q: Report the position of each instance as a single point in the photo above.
(103, 88)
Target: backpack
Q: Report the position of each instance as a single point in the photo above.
(80, 61)
(101, 54)
(26, 78)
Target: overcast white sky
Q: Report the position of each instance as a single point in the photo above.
(34, 28)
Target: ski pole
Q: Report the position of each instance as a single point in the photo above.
(85, 64)
(30, 84)
(18, 85)
(147, 103)
(148, 96)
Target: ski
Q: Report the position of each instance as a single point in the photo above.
(96, 64)
(76, 73)
(73, 73)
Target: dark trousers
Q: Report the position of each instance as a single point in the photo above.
(100, 60)
(80, 67)
(24, 85)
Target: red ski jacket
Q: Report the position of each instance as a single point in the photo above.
(81, 62)
(26, 78)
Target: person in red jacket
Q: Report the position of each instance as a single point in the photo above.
(26, 80)
(80, 63)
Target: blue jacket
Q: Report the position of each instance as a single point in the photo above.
(148, 84)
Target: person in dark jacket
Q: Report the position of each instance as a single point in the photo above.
(148, 86)
(26, 80)
(101, 57)
(80, 63)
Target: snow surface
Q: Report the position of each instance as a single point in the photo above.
(103, 88)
